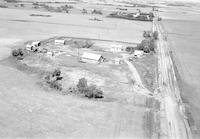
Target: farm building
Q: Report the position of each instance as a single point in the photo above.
(138, 53)
(61, 41)
(117, 61)
(92, 58)
(117, 48)
(50, 54)
(33, 46)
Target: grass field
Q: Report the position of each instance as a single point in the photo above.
(30, 111)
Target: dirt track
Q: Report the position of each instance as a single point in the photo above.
(177, 125)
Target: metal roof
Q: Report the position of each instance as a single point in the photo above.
(91, 56)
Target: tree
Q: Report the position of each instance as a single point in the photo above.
(56, 72)
(15, 53)
(82, 85)
(147, 34)
(93, 92)
(87, 44)
(21, 52)
(155, 35)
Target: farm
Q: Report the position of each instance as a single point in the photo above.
(67, 75)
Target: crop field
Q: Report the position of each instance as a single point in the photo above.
(183, 34)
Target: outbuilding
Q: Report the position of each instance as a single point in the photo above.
(63, 42)
(50, 54)
(138, 53)
(33, 46)
(116, 48)
(92, 58)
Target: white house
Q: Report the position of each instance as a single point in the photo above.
(116, 48)
(138, 53)
(92, 58)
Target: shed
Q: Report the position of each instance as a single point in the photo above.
(29, 47)
(117, 61)
(50, 54)
(92, 58)
(36, 43)
(116, 48)
(63, 42)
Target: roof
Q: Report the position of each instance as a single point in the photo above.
(117, 46)
(91, 56)
(35, 42)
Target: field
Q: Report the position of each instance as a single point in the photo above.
(28, 110)
(183, 34)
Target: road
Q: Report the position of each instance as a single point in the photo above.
(138, 85)
(177, 124)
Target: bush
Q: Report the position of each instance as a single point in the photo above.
(53, 78)
(56, 85)
(84, 11)
(97, 12)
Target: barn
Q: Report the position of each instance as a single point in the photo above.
(92, 58)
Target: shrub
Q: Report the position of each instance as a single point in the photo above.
(82, 85)
(97, 12)
(84, 11)
(53, 78)
(56, 85)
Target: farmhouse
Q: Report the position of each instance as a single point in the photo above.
(92, 58)
(138, 53)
